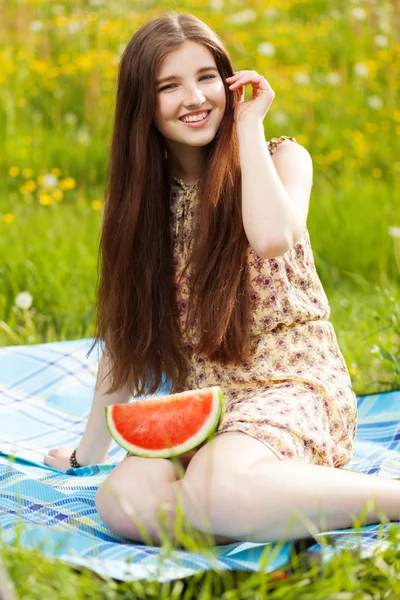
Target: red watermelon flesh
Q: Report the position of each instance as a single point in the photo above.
(165, 426)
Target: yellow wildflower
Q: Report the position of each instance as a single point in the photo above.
(31, 185)
(56, 171)
(352, 371)
(67, 184)
(58, 195)
(13, 171)
(97, 204)
(45, 199)
(8, 218)
(26, 173)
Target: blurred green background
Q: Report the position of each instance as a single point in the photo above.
(335, 70)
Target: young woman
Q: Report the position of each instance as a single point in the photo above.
(208, 277)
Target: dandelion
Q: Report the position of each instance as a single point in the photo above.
(334, 78)
(216, 4)
(381, 41)
(23, 300)
(74, 26)
(83, 136)
(358, 13)
(58, 195)
(45, 199)
(394, 232)
(361, 69)
(8, 218)
(37, 117)
(266, 49)
(26, 173)
(37, 26)
(49, 180)
(242, 17)
(70, 118)
(97, 204)
(352, 371)
(56, 171)
(58, 9)
(375, 102)
(272, 12)
(13, 171)
(280, 117)
(67, 184)
(301, 77)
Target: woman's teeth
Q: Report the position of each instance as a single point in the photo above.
(195, 118)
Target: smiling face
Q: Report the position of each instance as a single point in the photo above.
(190, 90)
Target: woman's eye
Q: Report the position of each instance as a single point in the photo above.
(171, 84)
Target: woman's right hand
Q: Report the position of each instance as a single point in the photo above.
(58, 458)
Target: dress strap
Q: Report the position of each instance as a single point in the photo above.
(274, 142)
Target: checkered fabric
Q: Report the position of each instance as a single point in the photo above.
(45, 396)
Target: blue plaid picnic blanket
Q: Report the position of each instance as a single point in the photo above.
(46, 392)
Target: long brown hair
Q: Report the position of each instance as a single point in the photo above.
(136, 312)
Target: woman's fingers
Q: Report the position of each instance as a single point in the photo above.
(58, 458)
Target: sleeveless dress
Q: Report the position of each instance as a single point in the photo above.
(294, 394)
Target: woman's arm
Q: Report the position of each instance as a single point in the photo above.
(96, 438)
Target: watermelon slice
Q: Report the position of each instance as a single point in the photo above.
(166, 426)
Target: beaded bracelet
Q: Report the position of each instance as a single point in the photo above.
(72, 460)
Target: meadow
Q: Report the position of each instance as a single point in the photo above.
(335, 71)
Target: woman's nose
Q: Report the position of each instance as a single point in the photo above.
(194, 95)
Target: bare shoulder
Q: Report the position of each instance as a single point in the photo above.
(283, 140)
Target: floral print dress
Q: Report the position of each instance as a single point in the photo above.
(294, 394)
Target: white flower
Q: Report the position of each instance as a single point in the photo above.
(279, 117)
(70, 118)
(216, 4)
(58, 9)
(36, 26)
(74, 26)
(334, 78)
(50, 180)
(374, 102)
(83, 136)
(301, 78)
(266, 49)
(375, 349)
(394, 231)
(358, 13)
(272, 12)
(384, 23)
(23, 300)
(381, 41)
(37, 117)
(245, 16)
(361, 69)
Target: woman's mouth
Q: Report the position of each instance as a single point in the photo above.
(195, 124)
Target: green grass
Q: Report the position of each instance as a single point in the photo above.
(345, 576)
(57, 88)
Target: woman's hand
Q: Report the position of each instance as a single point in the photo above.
(58, 458)
(257, 107)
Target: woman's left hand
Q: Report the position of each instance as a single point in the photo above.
(257, 107)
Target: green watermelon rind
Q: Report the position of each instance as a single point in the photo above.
(207, 432)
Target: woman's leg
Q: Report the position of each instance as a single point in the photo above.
(131, 497)
(244, 492)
